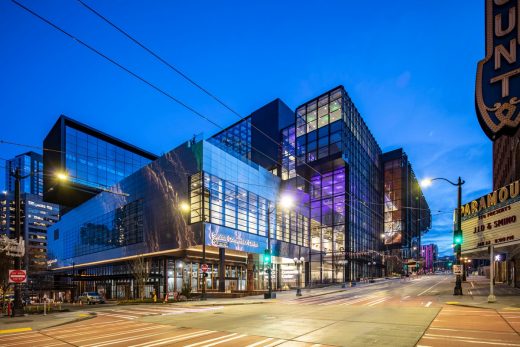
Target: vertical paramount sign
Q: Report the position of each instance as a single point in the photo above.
(497, 92)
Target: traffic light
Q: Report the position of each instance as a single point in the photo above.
(457, 240)
(450, 263)
(267, 256)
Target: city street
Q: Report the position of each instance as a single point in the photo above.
(393, 313)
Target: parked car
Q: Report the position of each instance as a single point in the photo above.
(91, 298)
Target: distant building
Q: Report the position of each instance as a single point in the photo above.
(36, 217)
(407, 215)
(429, 255)
(92, 159)
(31, 165)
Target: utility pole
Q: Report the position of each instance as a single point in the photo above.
(17, 234)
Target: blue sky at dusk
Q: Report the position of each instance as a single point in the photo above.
(409, 67)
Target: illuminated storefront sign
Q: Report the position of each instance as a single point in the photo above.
(222, 237)
(497, 89)
(488, 221)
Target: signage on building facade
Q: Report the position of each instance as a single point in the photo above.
(497, 89)
(223, 237)
(493, 219)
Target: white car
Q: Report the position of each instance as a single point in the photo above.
(91, 298)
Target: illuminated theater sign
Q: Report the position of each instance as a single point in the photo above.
(497, 90)
(492, 219)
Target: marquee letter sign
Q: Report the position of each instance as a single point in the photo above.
(497, 92)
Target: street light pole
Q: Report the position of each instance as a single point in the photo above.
(457, 233)
(17, 233)
(270, 282)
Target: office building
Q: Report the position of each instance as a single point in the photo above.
(213, 201)
(91, 159)
(429, 257)
(36, 217)
(407, 215)
(30, 165)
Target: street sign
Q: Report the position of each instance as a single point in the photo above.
(457, 269)
(17, 276)
(204, 267)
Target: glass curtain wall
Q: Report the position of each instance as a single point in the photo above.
(346, 201)
(94, 162)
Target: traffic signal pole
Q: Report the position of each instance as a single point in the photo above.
(458, 237)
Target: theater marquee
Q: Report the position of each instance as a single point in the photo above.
(492, 219)
(497, 89)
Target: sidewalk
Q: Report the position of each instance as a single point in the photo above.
(285, 295)
(475, 293)
(39, 321)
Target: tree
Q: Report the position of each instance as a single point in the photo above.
(139, 268)
(5, 266)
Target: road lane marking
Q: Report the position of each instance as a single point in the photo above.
(436, 284)
(211, 340)
(15, 330)
(260, 342)
(176, 338)
(406, 297)
(378, 301)
(428, 304)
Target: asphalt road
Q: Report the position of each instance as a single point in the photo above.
(392, 313)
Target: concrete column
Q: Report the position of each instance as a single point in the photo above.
(222, 270)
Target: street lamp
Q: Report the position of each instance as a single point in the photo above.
(457, 233)
(299, 263)
(373, 263)
(62, 176)
(286, 202)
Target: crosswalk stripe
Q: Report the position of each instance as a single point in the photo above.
(428, 304)
(175, 338)
(226, 340)
(117, 315)
(211, 340)
(277, 342)
(260, 342)
(378, 301)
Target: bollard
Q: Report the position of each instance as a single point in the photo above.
(44, 308)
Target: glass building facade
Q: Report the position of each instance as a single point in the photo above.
(30, 165)
(332, 156)
(92, 160)
(407, 215)
(322, 154)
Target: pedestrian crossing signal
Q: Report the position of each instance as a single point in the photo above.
(267, 256)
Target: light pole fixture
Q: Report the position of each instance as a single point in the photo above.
(299, 263)
(286, 202)
(457, 233)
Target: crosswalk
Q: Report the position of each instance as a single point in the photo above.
(106, 331)
(163, 310)
(368, 300)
